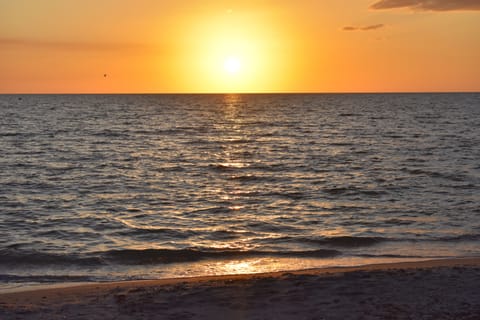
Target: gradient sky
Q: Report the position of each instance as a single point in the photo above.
(122, 46)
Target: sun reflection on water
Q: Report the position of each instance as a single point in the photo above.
(242, 267)
(271, 264)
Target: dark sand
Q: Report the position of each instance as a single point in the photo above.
(439, 289)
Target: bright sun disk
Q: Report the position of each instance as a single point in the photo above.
(232, 65)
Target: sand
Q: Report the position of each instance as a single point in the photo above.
(438, 289)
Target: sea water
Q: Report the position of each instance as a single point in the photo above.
(115, 187)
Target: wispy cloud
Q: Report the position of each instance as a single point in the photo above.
(364, 28)
(68, 45)
(428, 5)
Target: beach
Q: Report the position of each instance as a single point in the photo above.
(434, 289)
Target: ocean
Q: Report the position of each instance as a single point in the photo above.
(122, 187)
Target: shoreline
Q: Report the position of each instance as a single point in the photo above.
(421, 263)
(384, 287)
(247, 267)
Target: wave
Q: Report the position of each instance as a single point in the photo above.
(352, 242)
(348, 114)
(19, 134)
(163, 256)
(457, 177)
(344, 242)
(252, 178)
(398, 256)
(351, 190)
(148, 233)
(16, 258)
(326, 247)
(9, 257)
(462, 237)
(347, 241)
(236, 167)
(225, 167)
(46, 278)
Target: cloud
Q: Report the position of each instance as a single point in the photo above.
(365, 28)
(67, 45)
(428, 5)
(372, 27)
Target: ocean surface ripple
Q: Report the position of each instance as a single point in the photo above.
(101, 187)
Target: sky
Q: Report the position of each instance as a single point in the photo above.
(214, 46)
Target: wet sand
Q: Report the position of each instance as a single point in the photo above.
(437, 289)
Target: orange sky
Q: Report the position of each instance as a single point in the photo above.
(58, 46)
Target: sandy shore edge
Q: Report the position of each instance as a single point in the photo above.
(38, 294)
(78, 288)
(201, 297)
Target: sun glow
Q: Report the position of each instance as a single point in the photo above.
(232, 65)
(233, 51)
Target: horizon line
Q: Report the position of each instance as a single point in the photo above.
(236, 93)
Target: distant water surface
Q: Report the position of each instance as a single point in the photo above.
(112, 187)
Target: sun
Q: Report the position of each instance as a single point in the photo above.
(232, 65)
